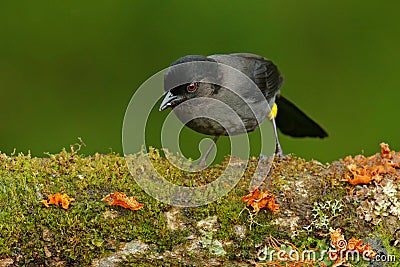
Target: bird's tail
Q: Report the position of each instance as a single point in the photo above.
(294, 122)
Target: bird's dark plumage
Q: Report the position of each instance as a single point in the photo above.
(294, 122)
(261, 71)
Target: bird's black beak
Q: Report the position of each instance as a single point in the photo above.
(168, 101)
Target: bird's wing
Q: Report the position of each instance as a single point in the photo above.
(293, 122)
(264, 73)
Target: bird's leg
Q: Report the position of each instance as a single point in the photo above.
(278, 148)
(272, 115)
(203, 159)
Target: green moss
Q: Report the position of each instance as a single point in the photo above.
(32, 234)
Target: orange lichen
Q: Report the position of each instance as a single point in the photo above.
(337, 239)
(58, 198)
(261, 200)
(363, 169)
(343, 247)
(120, 199)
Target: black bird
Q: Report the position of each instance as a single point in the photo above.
(186, 80)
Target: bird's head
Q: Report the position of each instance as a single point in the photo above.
(185, 80)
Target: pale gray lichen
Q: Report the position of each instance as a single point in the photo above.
(323, 213)
(207, 228)
(378, 201)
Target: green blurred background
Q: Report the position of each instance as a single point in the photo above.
(69, 68)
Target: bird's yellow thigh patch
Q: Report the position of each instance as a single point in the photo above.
(274, 112)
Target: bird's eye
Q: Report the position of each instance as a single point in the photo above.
(192, 87)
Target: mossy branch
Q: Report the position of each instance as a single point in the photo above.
(92, 232)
